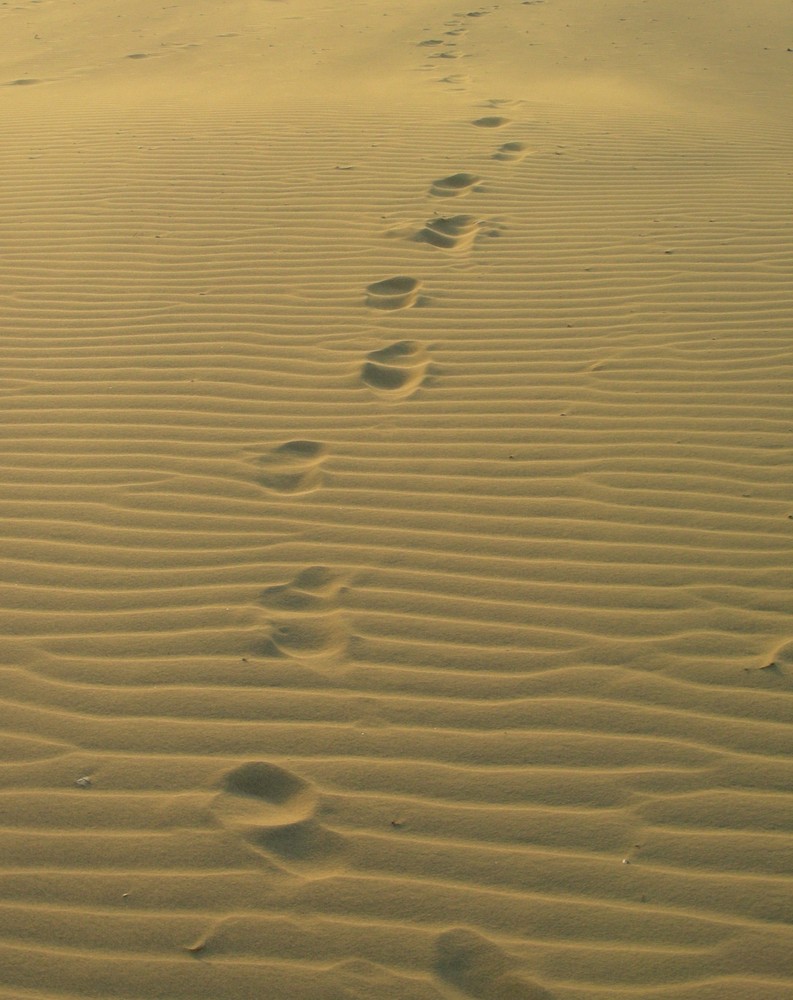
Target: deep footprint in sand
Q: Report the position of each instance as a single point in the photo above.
(453, 233)
(454, 185)
(478, 967)
(293, 467)
(264, 795)
(400, 292)
(396, 371)
(511, 152)
(275, 811)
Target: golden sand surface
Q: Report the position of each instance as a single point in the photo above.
(395, 478)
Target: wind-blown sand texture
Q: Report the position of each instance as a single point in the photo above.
(396, 495)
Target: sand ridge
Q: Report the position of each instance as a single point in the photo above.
(396, 502)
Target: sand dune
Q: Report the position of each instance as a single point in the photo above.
(395, 447)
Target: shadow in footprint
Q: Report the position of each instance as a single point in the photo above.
(511, 151)
(265, 794)
(275, 811)
(478, 967)
(454, 185)
(491, 121)
(396, 371)
(454, 233)
(293, 467)
(400, 292)
(314, 590)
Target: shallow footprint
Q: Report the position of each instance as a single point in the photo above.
(454, 233)
(314, 590)
(400, 292)
(396, 371)
(307, 844)
(491, 121)
(511, 151)
(455, 78)
(454, 185)
(308, 638)
(275, 811)
(478, 967)
(504, 102)
(293, 467)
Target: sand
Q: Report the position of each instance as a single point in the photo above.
(395, 593)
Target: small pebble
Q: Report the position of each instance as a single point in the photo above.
(83, 782)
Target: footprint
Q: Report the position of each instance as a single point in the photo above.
(503, 102)
(306, 626)
(393, 293)
(491, 121)
(454, 233)
(306, 638)
(139, 55)
(315, 590)
(456, 80)
(275, 811)
(430, 41)
(307, 844)
(294, 467)
(454, 185)
(478, 967)
(25, 81)
(511, 152)
(261, 794)
(396, 371)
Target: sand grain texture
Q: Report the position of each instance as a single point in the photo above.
(396, 495)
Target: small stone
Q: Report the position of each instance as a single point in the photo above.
(83, 782)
